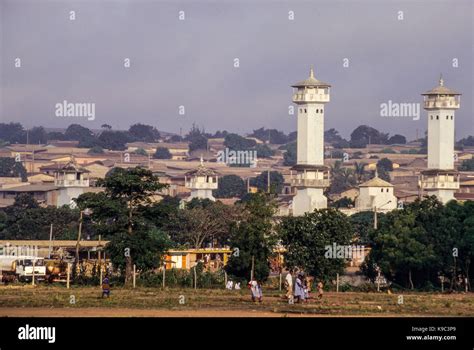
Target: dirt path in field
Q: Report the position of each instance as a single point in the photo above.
(122, 312)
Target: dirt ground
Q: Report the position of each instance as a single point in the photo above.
(57, 301)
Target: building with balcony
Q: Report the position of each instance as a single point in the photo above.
(201, 181)
(312, 176)
(440, 178)
(71, 181)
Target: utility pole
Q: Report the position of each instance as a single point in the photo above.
(50, 241)
(79, 232)
(253, 267)
(268, 181)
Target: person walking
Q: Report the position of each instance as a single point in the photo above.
(106, 286)
(256, 291)
(299, 288)
(289, 285)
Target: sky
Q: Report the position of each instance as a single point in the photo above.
(391, 55)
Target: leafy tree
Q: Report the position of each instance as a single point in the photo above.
(114, 140)
(388, 150)
(364, 135)
(141, 152)
(276, 182)
(238, 143)
(175, 138)
(37, 135)
(309, 238)
(384, 165)
(198, 226)
(273, 136)
(230, 186)
(142, 132)
(106, 126)
(162, 153)
(332, 136)
(199, 142)
(263, 151)
(96, 150)
(467, 141)
(290, 156)
(56, 135)
(252, 239)
(76, 132)
(133, 187)
(12, 132)
(10, 168)
(467, 165)
(343, 178)
(344, 202)
(147, 248)
(397, 139)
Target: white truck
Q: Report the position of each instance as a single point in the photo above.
(21, 267)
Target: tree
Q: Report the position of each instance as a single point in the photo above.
(12, 132)
(343, 178)
(397, 139)
(114, 140)
(37, 135)
(276, 182)
(238, 143)
(200, 226)
(272, 136)
(467, 165)
(10, 168)
(230, 186)
(96, 150)
(56, 135)
(134, 187)
(359, 172)
(199, 142)
(384, 165)
(147, 248)
(144, 133)
(141, 152)
(263, 151)
(162, 153)
(290, 156)
(252, 239)
(309, 238)
(332, 136)
(76, 132)
(364, 135)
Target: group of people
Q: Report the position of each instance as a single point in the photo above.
(302, 287)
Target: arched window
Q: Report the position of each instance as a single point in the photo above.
(447, 117)
(321, 110)
(452, 117)
(431, 117)
(317, 110)
(437, 117)
(381, 190)
(305, 110)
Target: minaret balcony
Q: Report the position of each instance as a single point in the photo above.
(71, 183)
(302, 97)
(197, 185)
(444, 180)
(318, 183)
(440, 104)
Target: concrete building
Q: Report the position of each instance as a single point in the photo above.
(312, 176)
(376, 194)
(440, 179)
(71, 181)
(201, 181)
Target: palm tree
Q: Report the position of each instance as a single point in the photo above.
(359, 170)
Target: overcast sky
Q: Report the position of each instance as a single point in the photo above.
(191, 62)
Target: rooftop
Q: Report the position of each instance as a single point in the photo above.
(441, 89)
(311, 81)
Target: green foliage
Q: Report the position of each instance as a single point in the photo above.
(238, 143)
(272, 135)
(261, 181)
(252, 238)
(146, 248)
(397, 139)
(141, 152)
(307, 237)
(467, 165)
(144, 133)
(388, 150)
(10, 168)
(230, 186)
(12, 133)
(113, 140)
(162, 153)
(290, 156)
(263, 151)
(364, 134)
(76, 132)
(96, 150)
(344, 202)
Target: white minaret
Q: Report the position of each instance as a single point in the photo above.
(312, 177)
(201, 182)
(440, 179)
(72, 181)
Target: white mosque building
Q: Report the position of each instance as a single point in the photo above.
(312, 176)
(440, 179)
(376, 194)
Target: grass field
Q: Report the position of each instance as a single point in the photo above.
(44, 300)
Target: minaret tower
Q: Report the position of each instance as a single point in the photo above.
(312, 177)
(440, 179)
(201, 181)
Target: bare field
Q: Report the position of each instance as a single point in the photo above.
(57, 301)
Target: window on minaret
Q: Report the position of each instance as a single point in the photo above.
(437, 117)
(321, 110)
(447, 117)
(451, 117)
(381, 190)
(431, 117)
(317, 110)
(305, 110)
